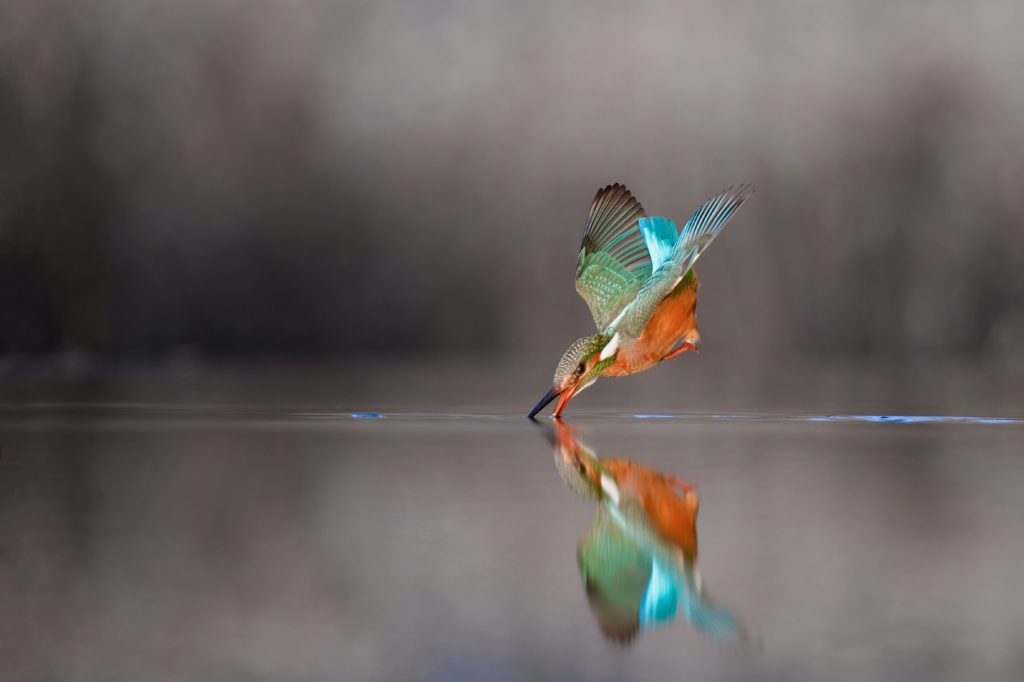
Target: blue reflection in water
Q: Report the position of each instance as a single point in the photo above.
(905, 419)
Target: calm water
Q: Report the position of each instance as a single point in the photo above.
(266, 541)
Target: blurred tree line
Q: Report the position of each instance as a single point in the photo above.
(365, 178)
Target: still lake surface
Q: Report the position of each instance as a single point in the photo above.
(268, 540)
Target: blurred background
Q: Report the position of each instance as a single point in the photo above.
(278, 280)
(218, 179)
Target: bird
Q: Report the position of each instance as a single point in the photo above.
(635, 273)
(638, 560)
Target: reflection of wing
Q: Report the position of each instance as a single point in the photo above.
(615, 571)
(673, 585)
(613, 261)
(702, 227)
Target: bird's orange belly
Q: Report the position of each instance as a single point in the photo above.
(674, 320)
(670, 504)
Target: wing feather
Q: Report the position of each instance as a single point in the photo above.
(613, 260)
(696, 235)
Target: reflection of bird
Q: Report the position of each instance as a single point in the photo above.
(635, 273)
(638, 561)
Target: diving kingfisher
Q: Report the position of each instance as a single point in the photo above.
(636, 275)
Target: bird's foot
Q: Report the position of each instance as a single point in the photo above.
(682, 486)
(682, 349)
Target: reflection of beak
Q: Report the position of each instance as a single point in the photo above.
(548, 397)
(565, 439)
(565, 442)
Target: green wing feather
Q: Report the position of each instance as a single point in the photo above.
(613, 262)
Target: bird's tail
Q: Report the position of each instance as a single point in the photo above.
(705, 615)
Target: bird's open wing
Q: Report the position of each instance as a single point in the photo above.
(702, 227)
(613, 262)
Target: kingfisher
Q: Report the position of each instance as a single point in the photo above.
(638, 561)
(635, 273)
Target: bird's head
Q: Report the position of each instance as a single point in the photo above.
(576, 463)
(581, 364)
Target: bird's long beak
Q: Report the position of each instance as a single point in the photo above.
(548, 397)
(564, 399)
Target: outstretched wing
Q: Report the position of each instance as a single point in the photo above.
(613, 262)
(702, 227)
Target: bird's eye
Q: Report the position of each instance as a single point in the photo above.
(579, 370)
(581, 467)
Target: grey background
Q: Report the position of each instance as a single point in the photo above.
(218, 178)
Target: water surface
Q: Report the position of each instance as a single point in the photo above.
(273, 541)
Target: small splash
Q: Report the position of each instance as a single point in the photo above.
(367, 415)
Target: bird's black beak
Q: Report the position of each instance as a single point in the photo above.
(548, 397)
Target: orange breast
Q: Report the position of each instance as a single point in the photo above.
(671, 506)
(674, 320)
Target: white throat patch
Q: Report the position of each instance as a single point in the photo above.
(611, 347)
(609, 488)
